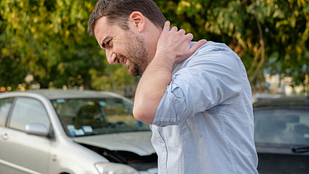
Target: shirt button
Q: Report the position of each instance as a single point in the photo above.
(163, 145)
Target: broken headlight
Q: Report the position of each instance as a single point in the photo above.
(114, 168)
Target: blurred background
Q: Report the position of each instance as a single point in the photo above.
(45, 43)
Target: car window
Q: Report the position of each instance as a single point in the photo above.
(27, 110)
(118, 110)
(281, 126)
(5, 105)
(89, 116)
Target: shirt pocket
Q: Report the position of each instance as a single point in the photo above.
(174, 135)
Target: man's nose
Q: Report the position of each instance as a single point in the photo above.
(111, 57)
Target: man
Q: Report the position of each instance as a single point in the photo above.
(195, 96)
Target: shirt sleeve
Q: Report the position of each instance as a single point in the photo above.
(210, 77)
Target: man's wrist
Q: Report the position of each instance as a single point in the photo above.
(165, 58)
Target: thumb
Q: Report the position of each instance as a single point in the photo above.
(197, 45)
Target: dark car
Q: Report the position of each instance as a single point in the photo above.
(282, 135)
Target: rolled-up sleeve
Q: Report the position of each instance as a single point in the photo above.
(208, 78)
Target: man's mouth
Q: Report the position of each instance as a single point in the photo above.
(126, 61)
(123, 61)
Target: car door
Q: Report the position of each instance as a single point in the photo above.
(5, 105)
(20, 152)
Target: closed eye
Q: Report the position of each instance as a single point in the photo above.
(106, 43)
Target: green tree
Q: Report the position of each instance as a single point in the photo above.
(269, 35)
(49, 39)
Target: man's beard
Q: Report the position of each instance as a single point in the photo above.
(136, 54)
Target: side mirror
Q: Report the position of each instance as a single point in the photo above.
(36, 129)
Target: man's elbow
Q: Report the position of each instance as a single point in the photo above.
(143, 115)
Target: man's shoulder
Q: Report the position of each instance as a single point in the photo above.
(207, 51)
(212, 46)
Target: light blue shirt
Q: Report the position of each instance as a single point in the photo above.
(204, 122)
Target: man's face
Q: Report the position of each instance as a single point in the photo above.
(121, 46)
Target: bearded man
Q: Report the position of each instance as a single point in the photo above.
(194, 95)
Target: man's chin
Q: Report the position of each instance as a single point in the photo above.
(134, 74)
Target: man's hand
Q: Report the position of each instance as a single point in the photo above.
(173, 47)
(174, 44)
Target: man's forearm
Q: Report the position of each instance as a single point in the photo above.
(173, 47)
(151, 88)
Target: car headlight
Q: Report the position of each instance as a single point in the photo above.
(114, 168)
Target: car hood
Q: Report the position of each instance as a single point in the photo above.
(136, 142)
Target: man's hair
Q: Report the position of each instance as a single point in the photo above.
(118, 11)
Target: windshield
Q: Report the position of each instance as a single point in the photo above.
(281, 126)
(91, 116)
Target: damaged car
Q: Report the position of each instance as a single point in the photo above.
(72, 131)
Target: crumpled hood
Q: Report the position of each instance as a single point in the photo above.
(136, 142)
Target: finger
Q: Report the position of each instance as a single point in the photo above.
(167, 26)
(189, 36)
(174, 28)
(197, 45)
(182, 31)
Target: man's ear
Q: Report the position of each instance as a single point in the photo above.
(138, 20)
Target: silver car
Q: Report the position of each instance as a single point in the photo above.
(70, 131)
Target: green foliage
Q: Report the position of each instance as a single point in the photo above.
(269, 35)
(48, 39)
